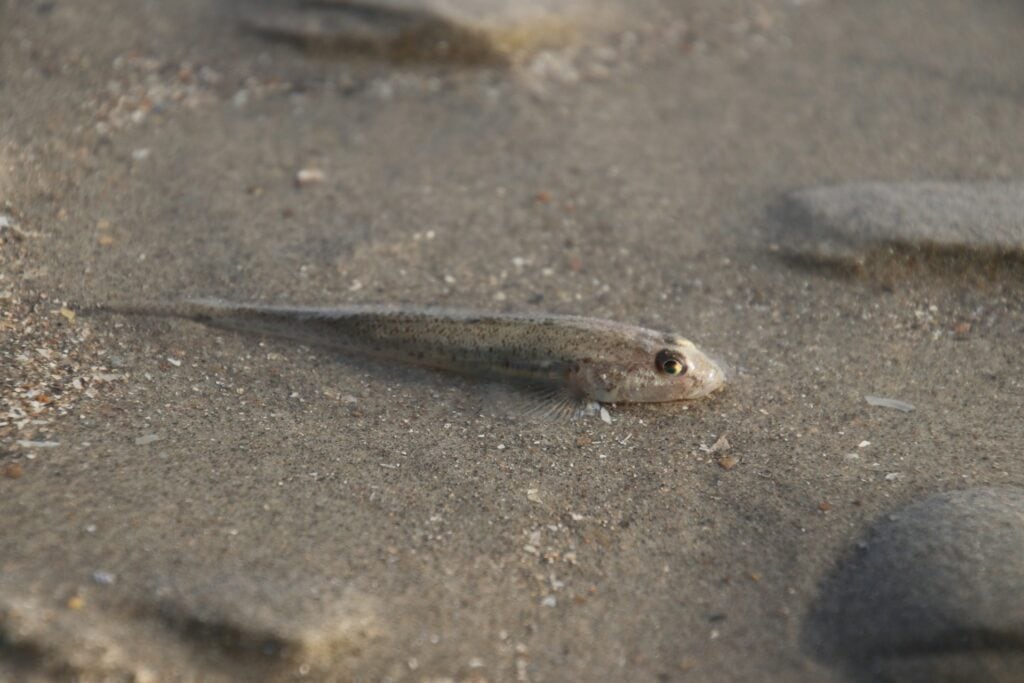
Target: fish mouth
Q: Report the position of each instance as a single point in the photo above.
(716, 374)
(713, 383)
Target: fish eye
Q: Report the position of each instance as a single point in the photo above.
(669, 363)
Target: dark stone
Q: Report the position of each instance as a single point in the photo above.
(933, 593)
(852, 222)
(465, 31)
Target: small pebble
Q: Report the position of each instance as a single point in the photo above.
(727, 462)
(893, 403)
(13, 470)
(104, 578)
(147, 439)
(721, 445)
(309, 176)
(687, 663)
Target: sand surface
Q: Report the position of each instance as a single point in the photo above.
(180, 503)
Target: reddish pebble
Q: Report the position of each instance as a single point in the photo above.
(727, 462)
(13, 470)
(824, 506)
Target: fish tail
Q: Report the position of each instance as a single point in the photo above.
(298, 324)
(193, 309)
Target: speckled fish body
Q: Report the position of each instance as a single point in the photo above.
(586, 359)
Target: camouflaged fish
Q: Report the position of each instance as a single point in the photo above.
(571, 361)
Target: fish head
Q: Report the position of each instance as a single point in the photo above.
(664, 369)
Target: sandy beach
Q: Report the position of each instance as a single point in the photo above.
(188, 504)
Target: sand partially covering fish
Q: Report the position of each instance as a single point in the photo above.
(567, 362)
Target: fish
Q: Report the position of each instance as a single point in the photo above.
(568, 363)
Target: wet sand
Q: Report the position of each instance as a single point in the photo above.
(188, 504)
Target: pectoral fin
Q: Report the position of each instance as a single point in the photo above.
(559, 404)
(540, 403)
